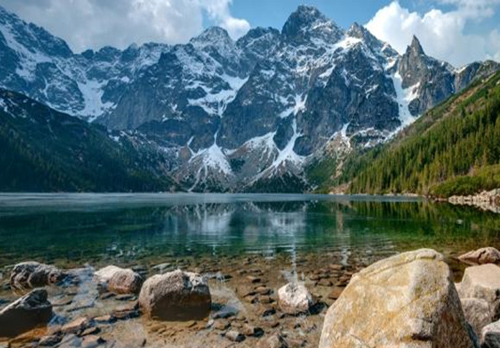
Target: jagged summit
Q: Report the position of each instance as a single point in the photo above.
(308, 21)
(415, 47)
(378, 47)
(273, 100)
(358, 31)
(213, 36)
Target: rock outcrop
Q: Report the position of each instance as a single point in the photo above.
(294, 298)
(28, 312)
(482, 282)
(175, 296)
(407, 300)
(486, 200)
(481, 256)
(31, 274)
(120, 280)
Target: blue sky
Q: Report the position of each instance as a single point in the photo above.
(457, 31)
(344, 12)
(275, 12)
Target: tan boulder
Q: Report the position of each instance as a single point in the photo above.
(120, 280)
(407, 300)
(482, 282)
(175, 296)
(481, 256)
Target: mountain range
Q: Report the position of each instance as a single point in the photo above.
(249, 115)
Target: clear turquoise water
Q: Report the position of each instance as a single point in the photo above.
(124, 229)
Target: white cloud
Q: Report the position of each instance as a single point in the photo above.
(442, 34)
(96, 23)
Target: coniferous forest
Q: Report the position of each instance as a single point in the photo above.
(452, 149)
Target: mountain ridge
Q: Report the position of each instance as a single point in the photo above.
(233, 115)
(45, 150)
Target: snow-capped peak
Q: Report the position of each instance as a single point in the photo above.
(213, 36)
(307, 22)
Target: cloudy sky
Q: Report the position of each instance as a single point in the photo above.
(458, 31)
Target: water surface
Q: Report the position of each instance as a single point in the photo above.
(76, 229)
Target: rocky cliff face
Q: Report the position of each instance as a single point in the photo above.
(244, 115)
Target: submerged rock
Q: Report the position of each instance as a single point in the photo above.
(32, 274)
(482, 282)
(76, 326)
(294, 298)
(234, 336)
(175, 296)
(481, 256)
(119, 280)
(274, 341)
(407, 300)
(28, 312)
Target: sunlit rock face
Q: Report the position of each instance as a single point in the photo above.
(248, 115)
(407, 300)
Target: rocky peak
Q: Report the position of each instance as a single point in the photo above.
(307, 22)
(374, 44)
(213, 36)
(259, 42)
(357, 30)
(414, 64)
(415, 49)
(6, 15)
(257, 34)
(34, 38)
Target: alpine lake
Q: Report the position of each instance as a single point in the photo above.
(233, 240)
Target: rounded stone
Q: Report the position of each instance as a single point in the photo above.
(175, 296)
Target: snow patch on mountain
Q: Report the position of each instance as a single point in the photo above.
(213, 158)
(216, 103)
(92, 92)
(404, 97)
(288, 154)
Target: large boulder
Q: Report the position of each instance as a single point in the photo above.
(477, 313)
(175, 296)
(294, 298)
(482, 282)
(32, 274)
(481, 256)
(120, 280)
(28, 312)
(408, 300)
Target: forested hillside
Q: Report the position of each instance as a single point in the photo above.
(452, 149)
(44, 150)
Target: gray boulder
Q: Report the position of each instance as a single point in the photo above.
(175, 296)
(294, 298)
(477, 313)
(490, 337)
(28, 312)
(32, 274)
